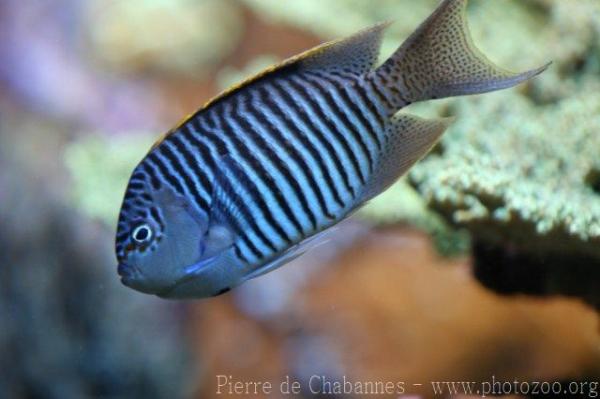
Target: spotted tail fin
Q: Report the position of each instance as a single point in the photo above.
(440, 60)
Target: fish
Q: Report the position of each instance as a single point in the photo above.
(252, 179)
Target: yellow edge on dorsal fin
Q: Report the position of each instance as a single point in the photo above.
(236, 87)
(273, 68)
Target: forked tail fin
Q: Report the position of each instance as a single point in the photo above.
(440, 60)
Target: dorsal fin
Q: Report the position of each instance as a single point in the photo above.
(357, 54)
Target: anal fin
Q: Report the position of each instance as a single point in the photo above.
(408, 139)
(292, 253)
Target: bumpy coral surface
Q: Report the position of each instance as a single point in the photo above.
(525, 173)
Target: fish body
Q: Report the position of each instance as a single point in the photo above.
(245, 184)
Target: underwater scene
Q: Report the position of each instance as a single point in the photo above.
(198, 199)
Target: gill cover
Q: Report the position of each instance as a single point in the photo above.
(189, 242)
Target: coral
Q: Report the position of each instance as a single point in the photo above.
(524, 179)
(520, 166)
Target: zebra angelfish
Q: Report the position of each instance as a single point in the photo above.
(241, 186)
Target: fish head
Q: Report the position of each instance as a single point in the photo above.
(166, 247)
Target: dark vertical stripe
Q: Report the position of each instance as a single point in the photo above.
(151, 171)
(302, 114)
(164, 173)
(262, 174)
(220, 145)
(233, 218)
(287, 146)
(256, 135)
(369, 100)
(136, 186)
(190, 165)
(332, 126)
(355, 88)
(380, 89)
(314, 108)
(122, 236)
(138, 176)
(179, 141)
(157, 218)
(239, 254)
(394, 84)
(196, 137)
(296, 132)
(183, 172)
(129, 194)
(349, 104)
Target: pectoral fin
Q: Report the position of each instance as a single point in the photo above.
(224, 196)
(218, 235)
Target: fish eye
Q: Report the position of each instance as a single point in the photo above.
(142, 234)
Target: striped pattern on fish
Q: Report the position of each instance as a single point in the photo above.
(239, 187)
(303, 148)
